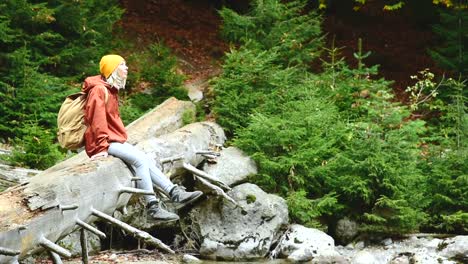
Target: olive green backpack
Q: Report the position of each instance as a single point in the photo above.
(70, 120)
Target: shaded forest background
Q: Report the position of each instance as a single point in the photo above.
(398, 40)
(295, 87)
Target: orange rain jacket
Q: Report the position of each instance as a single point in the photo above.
(103, 121)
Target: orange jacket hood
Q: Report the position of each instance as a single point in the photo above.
(91, 82)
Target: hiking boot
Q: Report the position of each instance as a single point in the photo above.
(179, 195)
(156, 213)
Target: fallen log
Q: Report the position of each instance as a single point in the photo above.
(68, 196)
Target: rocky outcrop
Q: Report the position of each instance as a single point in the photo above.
(417, 250)
(231, 167)
(242, 232)
(454, 248)
(300, 243)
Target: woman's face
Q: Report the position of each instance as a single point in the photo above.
(122, 70)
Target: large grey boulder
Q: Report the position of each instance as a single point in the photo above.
(232, 166)
(300, 243)
(455, 248)
(243, 232)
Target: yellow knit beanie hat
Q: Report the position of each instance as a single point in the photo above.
(109, 63)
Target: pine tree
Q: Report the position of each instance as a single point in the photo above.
(333, 143)
(42, 39)
(452, 54)
(446, 165)
(277, 27)
(278, 40)
(44, 46)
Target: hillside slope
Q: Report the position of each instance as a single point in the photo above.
(397, 40)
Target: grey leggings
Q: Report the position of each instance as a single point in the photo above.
(144, 168)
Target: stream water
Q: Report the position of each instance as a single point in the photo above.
(276, 261)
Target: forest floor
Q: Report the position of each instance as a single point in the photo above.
(191, 29)
(111, 257)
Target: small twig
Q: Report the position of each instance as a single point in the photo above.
(136, 251)
(183, 233)
(84, 246)
(55, 258)
(206, 176)
(133, 231)
(171, 159)
(90, 228)
(217, 190)
(68, 207)
(51, 246)
(159, 191)
(135, 191)
(17, 187)
(208, 152)
(9, 252)
(208, 156)
(111, 236)
(274, 253)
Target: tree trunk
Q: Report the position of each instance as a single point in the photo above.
(59, 200)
